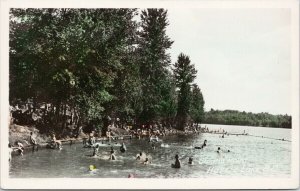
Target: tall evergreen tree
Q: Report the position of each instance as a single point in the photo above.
(185, 73)
(197, 105)
(154, 61)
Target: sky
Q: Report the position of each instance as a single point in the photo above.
(242, 56)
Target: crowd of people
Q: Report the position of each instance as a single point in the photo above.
(19, 148)
(152, 134)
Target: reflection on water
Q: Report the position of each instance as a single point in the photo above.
(248, 156)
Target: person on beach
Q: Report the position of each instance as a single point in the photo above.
(177, 162)
(219, 150)
(33, 142)
(112, 154)
(123, 148)
(10, 150)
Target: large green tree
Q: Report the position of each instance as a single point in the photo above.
(154, 61)
(185, 73)
(70, 58)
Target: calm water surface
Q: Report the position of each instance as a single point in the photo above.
(249, 156)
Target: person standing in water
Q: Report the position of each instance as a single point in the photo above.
(177, 162)
(96, 148)
(33, 142)
(56, 143)
(112, 154)
(19, 148)
(153, 146)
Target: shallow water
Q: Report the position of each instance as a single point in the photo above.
(249, 156)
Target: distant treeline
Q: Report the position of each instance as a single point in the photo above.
(233, 117)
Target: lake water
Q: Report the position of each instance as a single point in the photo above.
(249, 156)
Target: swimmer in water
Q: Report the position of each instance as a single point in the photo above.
(112, 154)
(146, 161)
(177, 162)
(139, 156)
(130, 176)
(219, 150)
(123, 148)
(191, 161)
(153, 146)
(92, 167)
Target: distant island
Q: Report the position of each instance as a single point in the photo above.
(233, 117)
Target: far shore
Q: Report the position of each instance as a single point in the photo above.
(244, 125)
